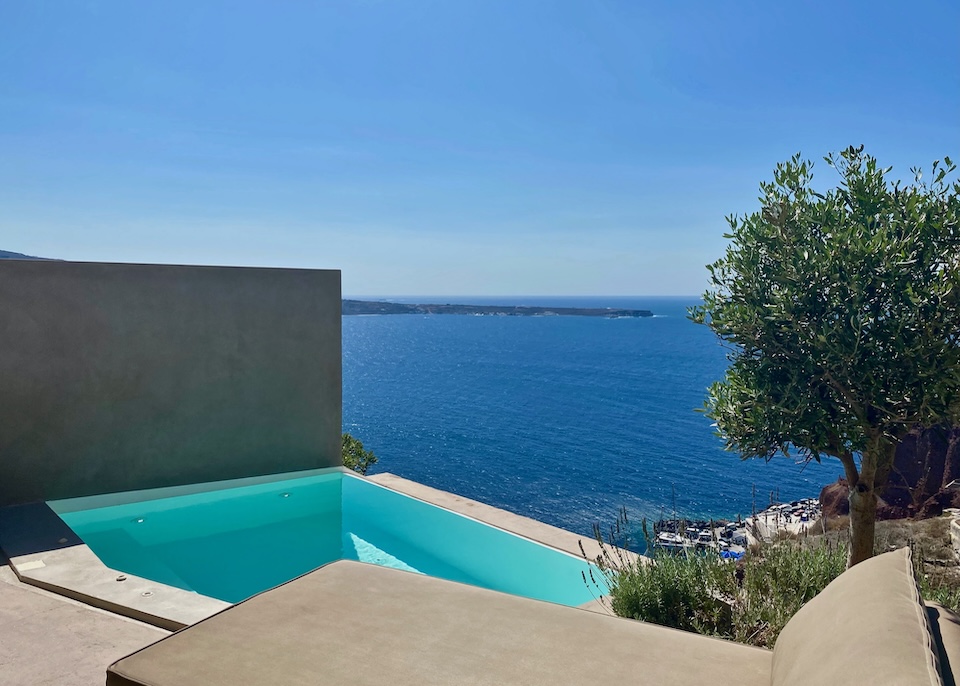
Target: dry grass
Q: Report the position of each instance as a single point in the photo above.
(929, 539)
(841, 523)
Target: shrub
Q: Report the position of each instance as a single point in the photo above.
(355, 457)
(779, 581)
(748, 601)
(683, 592)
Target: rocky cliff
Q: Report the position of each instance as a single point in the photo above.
(922, 483)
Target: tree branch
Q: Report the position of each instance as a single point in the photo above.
(849, 468)
(836, 449)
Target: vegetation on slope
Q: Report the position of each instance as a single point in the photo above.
(750, 601)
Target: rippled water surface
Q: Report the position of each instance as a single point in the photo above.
(563, 419)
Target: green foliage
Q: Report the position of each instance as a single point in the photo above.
(842, 311)
(944, 594)
(677, 591)
(777, 582)
(748, 601)
(355, 457)
(842, 315)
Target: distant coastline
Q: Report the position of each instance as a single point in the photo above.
(353, 307)
(8, 255)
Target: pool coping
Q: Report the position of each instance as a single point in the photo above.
(44, 552)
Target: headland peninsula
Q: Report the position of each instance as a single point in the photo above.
(378, 307)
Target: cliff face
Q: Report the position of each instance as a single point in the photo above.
(925, 468)
(921, 483)
(834, 502)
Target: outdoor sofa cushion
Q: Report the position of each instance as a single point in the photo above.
(868, 626)
(353, 623)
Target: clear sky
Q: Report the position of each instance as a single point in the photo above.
(448, 146)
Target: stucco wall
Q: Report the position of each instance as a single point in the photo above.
(116, 377)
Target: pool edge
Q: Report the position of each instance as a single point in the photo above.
(533, 530)
(525, 527)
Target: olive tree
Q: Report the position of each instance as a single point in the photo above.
(841, 314)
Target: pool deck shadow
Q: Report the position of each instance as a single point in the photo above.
(33, 529)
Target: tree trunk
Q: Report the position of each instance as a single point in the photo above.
(863, 522)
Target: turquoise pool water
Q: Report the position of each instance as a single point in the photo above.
(230, 543)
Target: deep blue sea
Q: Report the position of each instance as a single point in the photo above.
(563, 419)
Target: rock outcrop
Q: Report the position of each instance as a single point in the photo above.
(925, 479)
(834, 502)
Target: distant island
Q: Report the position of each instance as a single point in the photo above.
(377, 307)
(7, 255)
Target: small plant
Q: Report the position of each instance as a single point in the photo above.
(355, 457)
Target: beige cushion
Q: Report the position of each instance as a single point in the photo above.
(867, 627)
(352, 623)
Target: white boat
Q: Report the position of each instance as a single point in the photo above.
(670, 541)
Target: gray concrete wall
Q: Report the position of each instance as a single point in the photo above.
(116, 376)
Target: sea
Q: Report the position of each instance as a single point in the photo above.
(565, 419)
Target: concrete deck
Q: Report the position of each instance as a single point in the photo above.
(46, 639)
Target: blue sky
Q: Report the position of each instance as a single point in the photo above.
(451, 146)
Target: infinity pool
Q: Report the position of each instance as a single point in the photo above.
(232, 542)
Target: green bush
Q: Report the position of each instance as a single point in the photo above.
(689, 593)
(748, 601)
(355, 457)
(777, 582)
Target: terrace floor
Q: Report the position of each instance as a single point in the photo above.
(46, 639)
